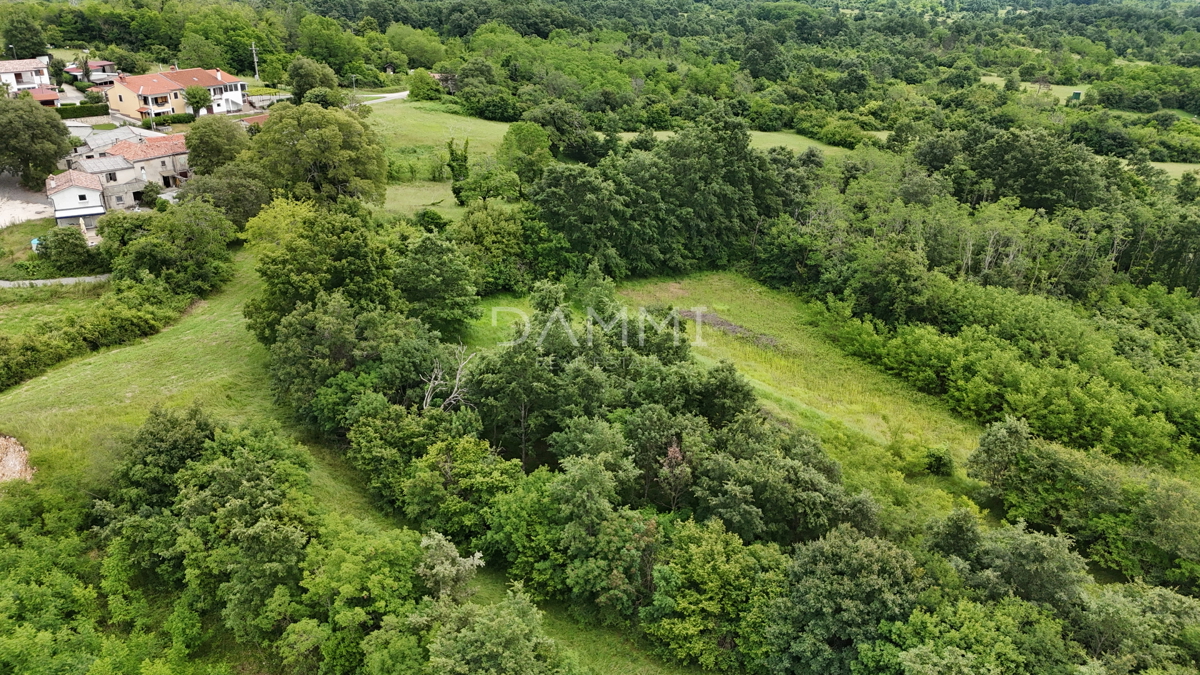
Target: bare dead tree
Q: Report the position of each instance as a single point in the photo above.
(436, 381)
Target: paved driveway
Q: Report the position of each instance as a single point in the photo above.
(380, 98)
(18, 205)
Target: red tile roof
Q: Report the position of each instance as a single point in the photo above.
(255, 119)
(43, 93)
(149, 148)
(91, 64)
(72, 178)
(150, 85)
(175, 80)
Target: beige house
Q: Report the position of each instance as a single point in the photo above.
(158, 94)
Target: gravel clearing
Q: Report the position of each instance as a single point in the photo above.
(18, 205)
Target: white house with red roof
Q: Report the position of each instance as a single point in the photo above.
(78, 199)
(101, 71)
(22, 74)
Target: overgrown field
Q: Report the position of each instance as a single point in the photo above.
(21, 308)
(74, 419)
(875, 425)
(415, 133)
(14, 245)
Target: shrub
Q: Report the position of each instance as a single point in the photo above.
(75, 112)
(939, 461)
(176, 118)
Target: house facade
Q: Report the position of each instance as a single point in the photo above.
(78, 199)
(23, 74)
(161, 160)
(158, 94)
(101, 71)
(120, 181)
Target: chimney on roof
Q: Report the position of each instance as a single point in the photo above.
(172, 69)
(219, 75)
(52, 181)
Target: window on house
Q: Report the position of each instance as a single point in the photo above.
(163, 163)
(120, 199)
(83, 198)
(176, 96)
(120, 98)
(112, 177)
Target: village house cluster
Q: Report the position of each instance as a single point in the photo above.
(111, 168)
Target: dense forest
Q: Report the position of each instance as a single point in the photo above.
(1004, 247)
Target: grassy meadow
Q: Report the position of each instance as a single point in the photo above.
(1175, 169)
(770, 139)
(425, 124)
(14, 244)
(415, 134)
(875, 425)
(1062, 92)
(22, 308)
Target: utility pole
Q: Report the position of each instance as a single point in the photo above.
(254, 51)
(353, 89)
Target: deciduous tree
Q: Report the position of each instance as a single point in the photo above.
(323, 154)
(213, 140)
(37, 140)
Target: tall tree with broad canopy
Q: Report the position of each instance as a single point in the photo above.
(305, 74)
(25, 35)
(213, 141)
(35, 139)
(322, 154)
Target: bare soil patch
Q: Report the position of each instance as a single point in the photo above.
(711, 319)
(14, 460)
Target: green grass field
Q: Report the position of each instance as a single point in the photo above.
(74, 418)
(1062, 92)
(22, 308)
(1175, 169)
(407, 198)
(423, 124)
(418, 131)
(790, 139)
(875, 425)
(770, 139)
